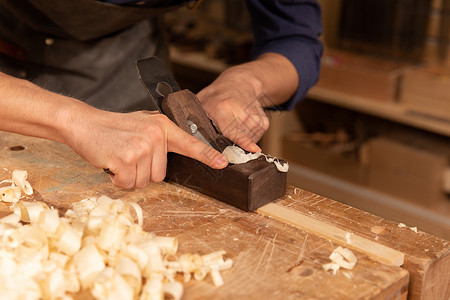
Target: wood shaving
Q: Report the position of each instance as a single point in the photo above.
(99, 245)
(236, 155)
(341, 258)
(19, 184)
(401, 225)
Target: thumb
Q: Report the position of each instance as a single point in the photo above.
(181, 142)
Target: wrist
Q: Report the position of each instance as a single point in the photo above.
(277, 75)
(246, 74)
(72, 120)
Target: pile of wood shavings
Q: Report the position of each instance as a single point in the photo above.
(98, 245)
(19, 185)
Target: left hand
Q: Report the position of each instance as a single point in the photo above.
(234, 102)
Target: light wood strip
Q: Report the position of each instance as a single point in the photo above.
(377, 251)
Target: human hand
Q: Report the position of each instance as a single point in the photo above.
(234, 102)
(134, 146)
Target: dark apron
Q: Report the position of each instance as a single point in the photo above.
(83, 48)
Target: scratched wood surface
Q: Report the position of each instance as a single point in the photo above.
(266, 252)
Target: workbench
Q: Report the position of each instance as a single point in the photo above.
(271, 259)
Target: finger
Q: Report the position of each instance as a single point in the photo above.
(258, 128)
(248, 145)
(149, 112)
(185, 144)
(124, 177)
(143, 171)
(241, 134)
(251, 132)
(257, 123)
(159, 163)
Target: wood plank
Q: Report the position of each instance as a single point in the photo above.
(271, 259)
(377, 251)
(427, 258)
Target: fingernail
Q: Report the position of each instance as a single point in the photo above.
(255, 148)
(221, 162)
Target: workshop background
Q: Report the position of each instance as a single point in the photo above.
(374, 132)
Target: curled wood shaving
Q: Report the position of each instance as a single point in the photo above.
(10, 194)
(19, 178)
(341, 258)
(19, 184)
(96, 245)
(236, 155)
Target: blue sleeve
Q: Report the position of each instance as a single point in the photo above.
(292, 29)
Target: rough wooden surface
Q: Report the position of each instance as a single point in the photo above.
(427, 258)
(266, 252)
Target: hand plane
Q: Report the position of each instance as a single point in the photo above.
(246, 186)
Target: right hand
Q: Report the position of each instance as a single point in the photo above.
(134, 146)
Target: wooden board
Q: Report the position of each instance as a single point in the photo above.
(427, 258)
(374, 249)
(266, 252)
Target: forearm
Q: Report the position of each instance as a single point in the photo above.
(271, 74)
(30, 110)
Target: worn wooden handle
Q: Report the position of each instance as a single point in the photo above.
(183, 106)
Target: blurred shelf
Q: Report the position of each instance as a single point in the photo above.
(197, 60)
(391, 111)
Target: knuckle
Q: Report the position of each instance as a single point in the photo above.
(160, 118)
(129, 157)
(244, 142)
(226, 106)
(155, 133)
(192, 141)
(265, 123)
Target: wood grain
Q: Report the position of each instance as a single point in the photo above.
(245, 186)
(271, 259)
(427, 258)
(377, 251)
(184, 105)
